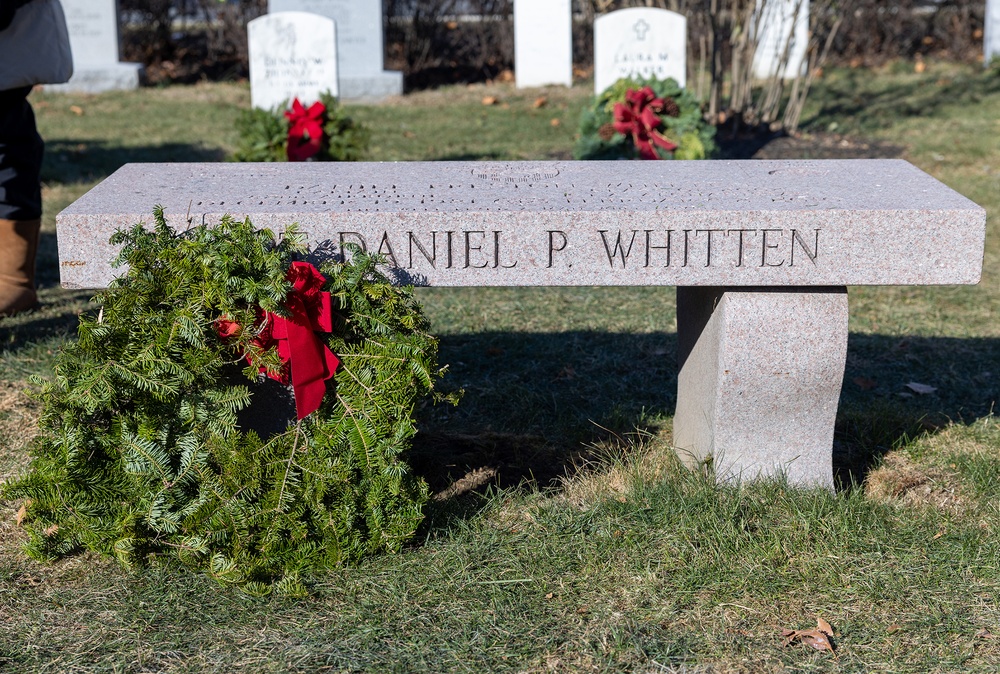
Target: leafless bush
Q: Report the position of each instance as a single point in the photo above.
(187, 40)
(148, 33)
(722, 42)
(875, 31)
(734, 27)
(226, 27)
(467, 39)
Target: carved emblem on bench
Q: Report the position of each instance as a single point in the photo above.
(512, 176)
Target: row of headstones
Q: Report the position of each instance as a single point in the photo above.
(305, 47)
(644, 41)
(653, 42)
(639, 40)
(352, 70)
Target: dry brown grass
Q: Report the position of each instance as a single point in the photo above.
(957, 440)
(18, 425)
(901, 480)
(619, 464)
(929, 475)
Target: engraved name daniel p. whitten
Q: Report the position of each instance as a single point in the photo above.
(742, 223)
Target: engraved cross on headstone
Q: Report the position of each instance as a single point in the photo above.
(641, 28)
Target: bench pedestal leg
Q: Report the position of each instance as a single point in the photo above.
(760, 377)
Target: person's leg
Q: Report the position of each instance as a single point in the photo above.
(20, 201)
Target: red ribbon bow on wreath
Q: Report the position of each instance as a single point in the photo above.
(305, 133)
(308, 361)
(638, 117)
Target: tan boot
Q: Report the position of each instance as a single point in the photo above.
(18, 247)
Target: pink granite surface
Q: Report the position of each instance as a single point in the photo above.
(759, 383)
(695, 223)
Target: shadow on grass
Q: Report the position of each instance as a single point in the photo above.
(879, 411)
(47, 262)
(72, 161)
(44, 325)
(851, 94)
(536, 404)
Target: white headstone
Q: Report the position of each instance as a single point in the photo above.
(292, 55)
(93, 38)
(784, 24)
(543, 42)
(359, 44)
(991, 37)
(639, 41)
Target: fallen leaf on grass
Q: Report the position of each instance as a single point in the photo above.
(555, 122)
(22, 513)
(864, 383)
(893, 628)
(549, 595)
(922, 389)
(76, 109)
(51, 530)
(984, 634)
(540, 102)
(489, 100)
(818, 638)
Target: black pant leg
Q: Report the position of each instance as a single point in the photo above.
(21, 151)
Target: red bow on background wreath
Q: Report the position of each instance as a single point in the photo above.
(308, 362)
(305, 131)
(638, 117)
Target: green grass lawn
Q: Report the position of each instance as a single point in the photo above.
(566, 537)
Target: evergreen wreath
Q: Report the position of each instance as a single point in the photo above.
(644, 118)
(141, 454)
(275, 135)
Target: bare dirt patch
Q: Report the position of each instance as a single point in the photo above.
(761, 143)
(827, 146)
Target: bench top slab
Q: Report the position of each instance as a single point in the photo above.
(735, 223)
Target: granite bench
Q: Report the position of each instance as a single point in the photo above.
(761, 253)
